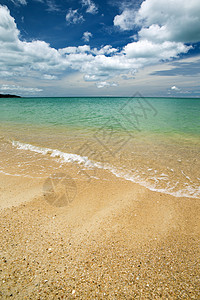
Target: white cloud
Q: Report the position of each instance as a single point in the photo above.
(145, 49)
(179, 20)
(106, 50)
(7, 88)
(174, 88)
(74, 50)
(86, 36)
(21, 58)
(68, 50)
(74, 17)
(162, 20)
(8, 29)
(90, 77)
(91, 6)
(104, 84)
(49, 77)
(125, 21)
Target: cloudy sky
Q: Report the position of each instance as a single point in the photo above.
(100, 47)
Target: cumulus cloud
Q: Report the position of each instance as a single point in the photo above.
(177, 20)
(91, 7)
(145, 49)
(74, 17)
(162, 20)
(106, 50)
(20, 58)
(125, 21)
(8, 29)
(164, 27)
(75, 50)
(86, 36)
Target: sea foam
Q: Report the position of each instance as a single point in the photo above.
(64, 157)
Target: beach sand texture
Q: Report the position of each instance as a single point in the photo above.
(92, 207)
(116, 240)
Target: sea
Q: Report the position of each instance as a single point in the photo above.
(154, 142)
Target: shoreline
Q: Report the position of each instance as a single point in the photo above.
(115, 240)
(160, 174)
(73, 225)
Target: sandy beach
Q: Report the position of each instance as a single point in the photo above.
(100, 149)
(115, 240)
(90, 210)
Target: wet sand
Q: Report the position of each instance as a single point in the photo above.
(115, 240)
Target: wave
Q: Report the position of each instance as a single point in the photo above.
(188, 191)
(67, 157)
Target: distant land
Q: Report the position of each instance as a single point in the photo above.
(9, 96)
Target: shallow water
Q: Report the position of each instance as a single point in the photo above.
(152, 141)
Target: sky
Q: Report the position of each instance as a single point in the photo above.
(58, 48)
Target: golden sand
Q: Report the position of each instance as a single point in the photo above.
(115, 240)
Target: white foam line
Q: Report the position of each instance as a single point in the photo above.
(70, 158)
(67, 157)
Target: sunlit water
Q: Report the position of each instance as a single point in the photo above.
(152, 141)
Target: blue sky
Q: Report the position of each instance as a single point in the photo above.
(100, 48)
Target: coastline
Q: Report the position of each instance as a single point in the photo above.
(100, 150)
(9, 96)
(115, 240)
(77, 218)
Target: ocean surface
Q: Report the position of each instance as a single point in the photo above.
(151, 141)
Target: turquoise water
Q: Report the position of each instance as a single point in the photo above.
(162, 115)
(151, 141)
